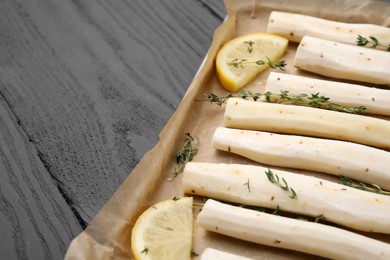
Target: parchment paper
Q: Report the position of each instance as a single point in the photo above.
(108, 235)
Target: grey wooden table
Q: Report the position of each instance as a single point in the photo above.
(85, 89)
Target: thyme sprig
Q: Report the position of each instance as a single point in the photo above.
(371, 42)
(363, 186)
(274, 178)
(240, 63)
(248, 185)
(220, 100)
(185, 154)
(317, 219)
(312, 100)
(261, 209)
(278, 212)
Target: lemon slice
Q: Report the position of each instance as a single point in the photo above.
(236, 60)
(164, 231)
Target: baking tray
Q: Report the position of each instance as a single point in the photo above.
(108, 235)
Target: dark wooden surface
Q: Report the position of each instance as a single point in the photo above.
(86, 86)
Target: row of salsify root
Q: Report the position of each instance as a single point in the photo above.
(306, 138)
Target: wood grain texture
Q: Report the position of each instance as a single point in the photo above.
(85, 89)
(35, 220)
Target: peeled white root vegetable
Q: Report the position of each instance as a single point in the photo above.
(245, 114)
(355, 161)
(343, 61)
(376, 101)
(249, 185)
(295, 26)
(214, 254)
(282, 232)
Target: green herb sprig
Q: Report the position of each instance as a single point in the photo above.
(371, 42)
(220, 100)
(278, 212)
(312, 100)
(240, 63)
(317, 219)
(185, 154)
(261, 209)
(248, 185)
(274, 178)
(363, 186)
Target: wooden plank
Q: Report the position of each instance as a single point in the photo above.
(35, 220)
(92, 83)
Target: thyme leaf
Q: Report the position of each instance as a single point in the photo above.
(318, 218)
(185, 154)
(312, 100)
(145, 251)
(276, 211)
(274, 178)
(250, 45)
(371, 42)
(363, 186)
(259, 209)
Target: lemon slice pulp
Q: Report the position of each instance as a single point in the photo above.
(236, 60)
(164, 231)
